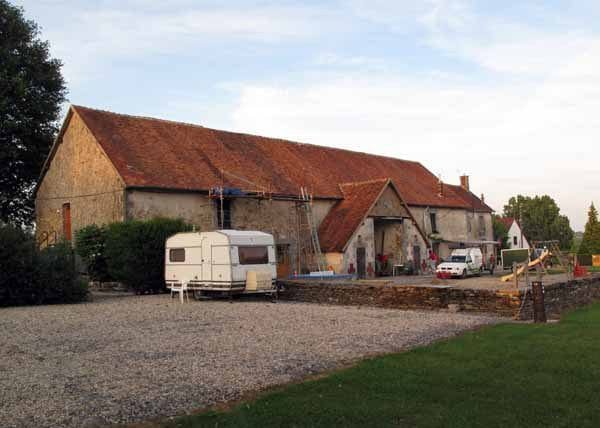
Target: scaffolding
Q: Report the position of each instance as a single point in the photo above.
(308, 249)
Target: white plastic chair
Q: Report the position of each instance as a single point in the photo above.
(181, 289)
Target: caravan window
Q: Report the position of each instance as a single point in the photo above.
(177, 255)
(253, 255)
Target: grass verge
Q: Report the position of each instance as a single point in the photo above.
(508, 375)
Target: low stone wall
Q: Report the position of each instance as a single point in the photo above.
(518, 304)
(564, 296)
(502, 302)
(353, 293)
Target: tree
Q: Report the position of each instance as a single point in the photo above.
(540, 219)
(500, 232)
(32, 90)
(590, 244)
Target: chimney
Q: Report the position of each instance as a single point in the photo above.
(440, 188)
(464, 182)
(482, 199)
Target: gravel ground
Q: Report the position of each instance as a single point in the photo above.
(123, 359)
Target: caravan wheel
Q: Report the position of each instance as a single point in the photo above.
(199, 295)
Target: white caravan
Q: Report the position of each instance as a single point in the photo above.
(462, 262)
(224, 261)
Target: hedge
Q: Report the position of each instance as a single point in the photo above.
(134, 251)
(29, 276)
(57, 276)
(90, 243)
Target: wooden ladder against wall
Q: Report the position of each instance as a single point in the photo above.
(315, 247)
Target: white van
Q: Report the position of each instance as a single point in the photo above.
(224, 261)
(462, 262)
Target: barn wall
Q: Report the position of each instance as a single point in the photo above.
(388, 204)
(284, 221)
(455, 225)
(79, 168)
(194, 208)
(363, 237)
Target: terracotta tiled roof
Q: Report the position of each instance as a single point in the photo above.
(163, 154)
(343, 219)
(508, 221)
(470, 200)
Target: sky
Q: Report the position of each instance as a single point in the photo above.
(507, 92)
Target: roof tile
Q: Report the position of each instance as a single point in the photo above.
(159, 153)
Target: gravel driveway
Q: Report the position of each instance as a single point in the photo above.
(122, 359)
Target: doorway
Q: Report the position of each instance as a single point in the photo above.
(284, 261)
(66, 217)
(361, 262)
(417, 258)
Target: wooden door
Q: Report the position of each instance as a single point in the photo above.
(284, 262)
(66, 217)
(361, 262)
(417, 258)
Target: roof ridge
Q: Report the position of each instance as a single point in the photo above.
(360, 183)
(133, 116)
(175, 122)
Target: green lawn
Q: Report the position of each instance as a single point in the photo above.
(502, 376)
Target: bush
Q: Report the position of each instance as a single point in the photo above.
(90, 243)
(17, 271)
(31, 277)
(135, 251)
(57, 276)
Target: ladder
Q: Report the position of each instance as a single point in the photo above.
(306, 205)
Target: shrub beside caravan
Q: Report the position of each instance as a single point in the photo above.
(221, 262)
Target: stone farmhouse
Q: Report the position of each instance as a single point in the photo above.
(371, 212)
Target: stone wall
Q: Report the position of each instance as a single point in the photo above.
(454, 225)
(565, 296)
(365, 293)
(81, 175)
(559, 297)
(194, 208)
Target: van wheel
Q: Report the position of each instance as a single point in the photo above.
(464, 274)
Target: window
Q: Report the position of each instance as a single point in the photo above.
(515, 240)
(481, 226)
(253, 255)
(433, 220)
(177, 255)
(224, 214)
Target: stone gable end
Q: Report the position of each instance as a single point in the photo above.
(80, 175)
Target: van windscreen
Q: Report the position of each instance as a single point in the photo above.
(253, 255)
(458, 259)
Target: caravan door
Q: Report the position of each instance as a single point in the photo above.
(220, 264)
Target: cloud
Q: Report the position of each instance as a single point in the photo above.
(94, 37)
(525, 137)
